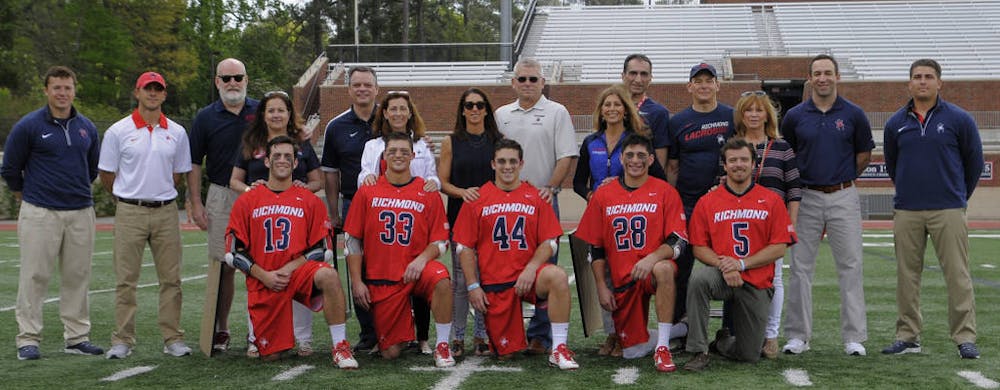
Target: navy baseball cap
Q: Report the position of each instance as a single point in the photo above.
(703, 67)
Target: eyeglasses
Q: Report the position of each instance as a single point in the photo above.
(226, 77)
(753, 93)
(470, 105)
(275, 93)
(403, 93)
(532, 79)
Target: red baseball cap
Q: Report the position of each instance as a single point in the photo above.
(150, 77)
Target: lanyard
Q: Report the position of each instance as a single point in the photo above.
(760, 166)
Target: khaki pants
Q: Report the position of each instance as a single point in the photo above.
(750, 308)
(950, 234)
(134, 227)
(46, 236)
(218, 205)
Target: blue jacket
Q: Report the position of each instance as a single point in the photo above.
(52, 162)
(934, 164)
(596, 163)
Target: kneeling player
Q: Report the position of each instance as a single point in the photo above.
(514, 232)
(278, 235)
(636, 226)
(397, 230)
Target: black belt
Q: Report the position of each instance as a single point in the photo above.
(146, 203)
(495, 288)
(625, 287)
(381, 282)
(831, 188)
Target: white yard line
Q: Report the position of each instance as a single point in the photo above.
(293, 372)
(460, 372)
(979, 380)
(572, 279)
(107, 290)
(625, 376)
(797, 378)
(127, 373)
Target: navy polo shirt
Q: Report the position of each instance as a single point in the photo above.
(826, 143)
(342, 148)
(695, 141)
(656, 117)
(216, 135)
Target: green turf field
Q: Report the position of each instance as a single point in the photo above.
(825, 365)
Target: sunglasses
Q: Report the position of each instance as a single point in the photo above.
(533, 79)
(226, 77)
(275, 93)
(470, 105)
(753, 93)
(402, 93)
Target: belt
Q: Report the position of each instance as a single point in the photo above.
(832, 188)
(146, 203)
(495, 288)
(624, 288)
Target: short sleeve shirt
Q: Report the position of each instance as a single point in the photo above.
(215, 136)
(826, 143)
(256, 170)
(695, 141)
(145, 156)
(546, 133)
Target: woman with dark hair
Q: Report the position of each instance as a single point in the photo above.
(756, 120)
(465, 166)
(275, 117)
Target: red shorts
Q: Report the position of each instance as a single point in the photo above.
(391, 307)
(504, 321)
(271, 312)
(633, 312)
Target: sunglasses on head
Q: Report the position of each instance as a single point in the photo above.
(470, 105)
(753, 93)
(533, 79)
(275, 93)
(402, 93)
(226, 77)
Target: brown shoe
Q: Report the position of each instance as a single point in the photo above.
(770, 349)
(698, 363)
(609, 344)
(617, 350)
(536, 348)
(457, 348)
(480, 347)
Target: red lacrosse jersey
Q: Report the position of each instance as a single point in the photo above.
(505, 228)
(395, 224)
(631, 224)
(741, 225)
(277, 227)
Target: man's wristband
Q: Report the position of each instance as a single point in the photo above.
(472, 286)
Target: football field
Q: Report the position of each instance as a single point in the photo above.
(825, 366)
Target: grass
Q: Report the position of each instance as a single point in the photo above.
(826, 363)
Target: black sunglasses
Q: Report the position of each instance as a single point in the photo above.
(533, 79)
(479, 105)
(753, 93)
(226, 77)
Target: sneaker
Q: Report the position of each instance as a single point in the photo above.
(698, 363)
(342, 356)
(770, 349)
(220, 341)
(457, 348)
(119, 351)
(562, 357)
(795, 347)
(252, 351)
(968, 351)
(663, 361)
(29, 352)
(425, 348)
(84, 348)
(900, 347)
(855, 349)
(177, 348)
(442, 355)
(305, 349)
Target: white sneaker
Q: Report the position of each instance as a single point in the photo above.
(796, 346)
(855, 349)
(442, 355)
(118, 351)
(177, 348)
(562, 357)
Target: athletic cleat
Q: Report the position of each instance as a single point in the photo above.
(342, 356)
(562, 357)
(795, 347)
(855, 349)
(663, 360)
(442, 355)
(29, 352)
(118, 351)
(177, 348)
(220, 341)
(968, 351)
(900, 347)
(84, 348)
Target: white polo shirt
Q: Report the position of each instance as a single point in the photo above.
(545, 132)
(144, 157)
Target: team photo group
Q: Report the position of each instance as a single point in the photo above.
(713, 203)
